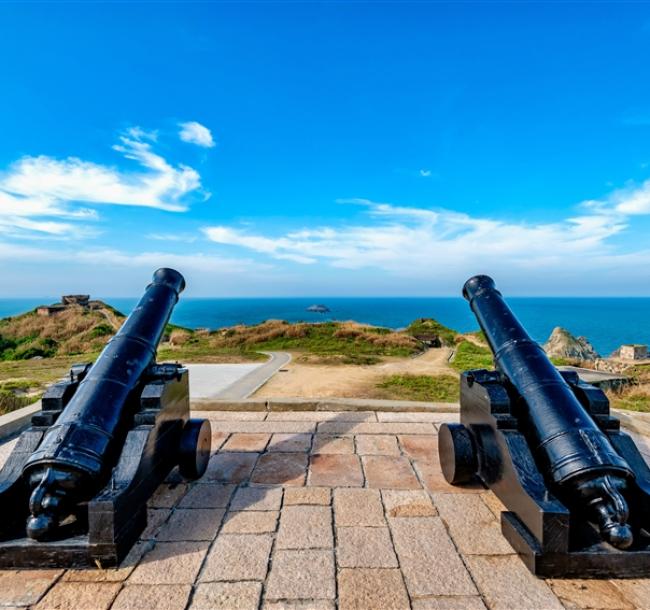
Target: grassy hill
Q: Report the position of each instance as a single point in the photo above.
(347, 342)
(37, 349)
(429, 327)
(74, 330)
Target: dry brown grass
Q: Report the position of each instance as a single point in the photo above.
(329, 339)
(179, 337)
(74, 330)
(634, 397)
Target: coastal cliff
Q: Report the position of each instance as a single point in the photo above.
(562, 344)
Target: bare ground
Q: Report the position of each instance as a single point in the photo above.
(349, 381)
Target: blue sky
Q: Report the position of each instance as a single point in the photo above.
(278, 149)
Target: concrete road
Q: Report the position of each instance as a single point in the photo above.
(247, 385)
(233, 381)
(208, 380)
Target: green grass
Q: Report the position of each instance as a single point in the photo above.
(441, 388)
(429, 326)
(16, 394)
(19, 385)
(471, 356)
(321, 340)
(202, 352)
(11, 402)
(21, 377)
(559, 361)
(101, 330)
(632, 401)
(333, 339)
(640, 373)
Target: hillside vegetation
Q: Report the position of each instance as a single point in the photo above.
(75, 330)
(471, 355)
(35, 349)
(429, 326)
(347, 342)
(636, 396)
(426, 388)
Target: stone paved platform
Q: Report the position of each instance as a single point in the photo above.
(319, 510)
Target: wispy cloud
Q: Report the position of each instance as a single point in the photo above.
(37, 193)
(174, 237)
(633, 200)
(425, 243)
(195, 133)
(111, 257)
(285, 248)
(157, 184)
(425, 173)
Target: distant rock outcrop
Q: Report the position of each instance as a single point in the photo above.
(562, 344)
(318, 309)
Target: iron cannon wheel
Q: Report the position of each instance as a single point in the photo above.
(457, 454)
(194, 453)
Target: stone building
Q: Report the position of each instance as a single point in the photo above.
(49, 310)
(75, 299)
(67, 300)
(633, 352)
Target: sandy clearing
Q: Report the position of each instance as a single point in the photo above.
(349, 381)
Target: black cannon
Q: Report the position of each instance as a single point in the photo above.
(576, 488)
(74, 490)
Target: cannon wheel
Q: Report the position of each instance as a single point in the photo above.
(194, 453)
(457, 454)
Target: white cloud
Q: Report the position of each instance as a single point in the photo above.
(111, 258)
(425, 173)
(195, 133)
(48, 190)
(632, 200)
(277, 248)
(421, 243)
(157, 184)
(177, 237)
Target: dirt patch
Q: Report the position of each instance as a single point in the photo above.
(350, 381)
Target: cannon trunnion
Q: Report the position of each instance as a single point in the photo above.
(74, 491)
(575, 487)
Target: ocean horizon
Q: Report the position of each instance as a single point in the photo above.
(607, 322)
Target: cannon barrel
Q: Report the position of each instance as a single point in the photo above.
(575, 455)
(79, 450)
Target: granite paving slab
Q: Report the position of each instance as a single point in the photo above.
(277, 523)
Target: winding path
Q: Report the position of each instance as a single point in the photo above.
(233, 381)
(248, 384)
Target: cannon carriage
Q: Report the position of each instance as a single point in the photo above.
(576, 488)
(74, 491)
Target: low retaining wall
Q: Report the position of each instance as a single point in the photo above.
(16, 421)
(322, 404)
(12, 423)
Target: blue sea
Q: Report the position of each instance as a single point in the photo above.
(606, 322)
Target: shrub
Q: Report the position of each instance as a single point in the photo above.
(101, 330)
(429, 326)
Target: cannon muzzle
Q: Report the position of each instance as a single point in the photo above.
(574, 454)
(78, 452)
